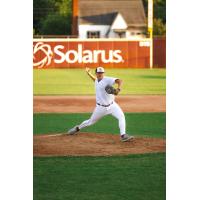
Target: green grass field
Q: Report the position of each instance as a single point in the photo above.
(140, 177)
(76, 81)
(140, 124)
(133, 177)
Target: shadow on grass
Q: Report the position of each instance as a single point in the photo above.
(152, 77)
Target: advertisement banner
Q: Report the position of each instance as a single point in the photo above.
(49, 53)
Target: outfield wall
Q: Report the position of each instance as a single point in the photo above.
(159, 52)
(77, 53)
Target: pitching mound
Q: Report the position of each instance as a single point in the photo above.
(92, 144)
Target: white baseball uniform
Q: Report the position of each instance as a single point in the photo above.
(105, 105)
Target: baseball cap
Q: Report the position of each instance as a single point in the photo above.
(100, 70)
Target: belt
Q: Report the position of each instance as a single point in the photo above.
(104, 105)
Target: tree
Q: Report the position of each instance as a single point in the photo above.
(41, 9)
(159, 28)
(64, 7)
(44, 12)
(56, 24)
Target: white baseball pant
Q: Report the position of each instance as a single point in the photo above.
(101, 111)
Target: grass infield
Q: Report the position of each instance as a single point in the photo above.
(76, 81)
(139, 177)
(139, 124)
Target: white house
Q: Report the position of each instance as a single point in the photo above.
(110, 19)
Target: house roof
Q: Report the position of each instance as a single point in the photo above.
(103, 19)
(103, 12)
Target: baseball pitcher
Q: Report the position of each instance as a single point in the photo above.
(105, 103)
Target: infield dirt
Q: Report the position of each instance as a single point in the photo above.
(93, 144)
(81, 104)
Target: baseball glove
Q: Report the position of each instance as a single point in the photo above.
(111, 90)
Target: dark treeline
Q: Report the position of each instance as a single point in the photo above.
(54, 17)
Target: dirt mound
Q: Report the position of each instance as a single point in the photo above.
(92, 144)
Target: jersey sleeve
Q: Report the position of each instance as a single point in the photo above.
(111, 80)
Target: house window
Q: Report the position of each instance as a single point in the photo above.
(93, 34)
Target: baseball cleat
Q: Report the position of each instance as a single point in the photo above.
(126, 137)
(73, 131)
